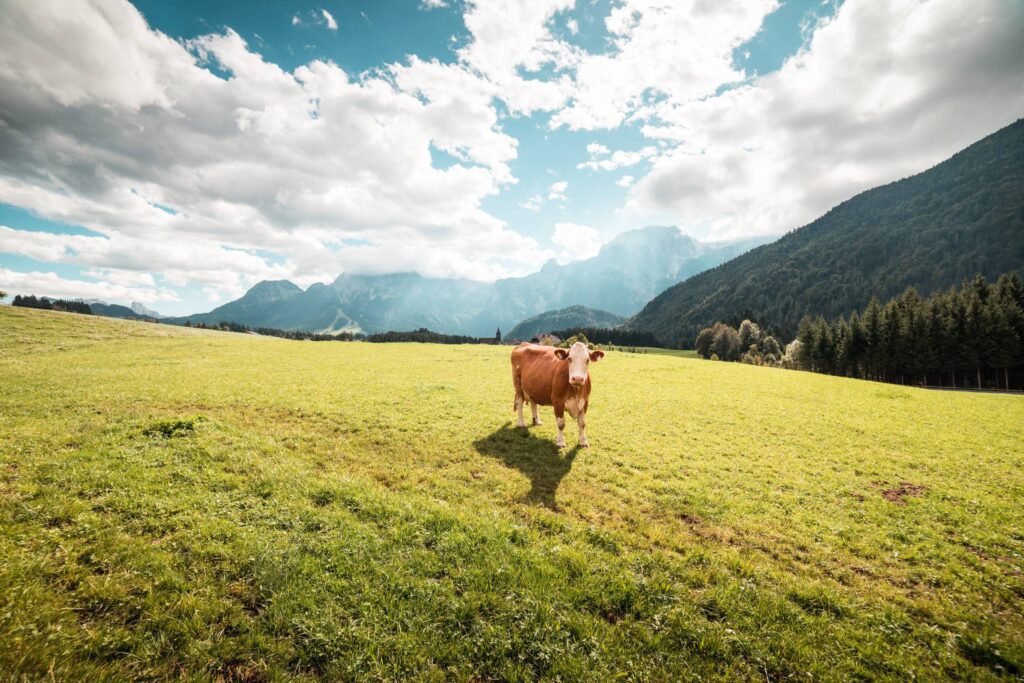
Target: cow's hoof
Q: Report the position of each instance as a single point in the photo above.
(560, 444)
(521, 425)
(537, 423)
(584, 444)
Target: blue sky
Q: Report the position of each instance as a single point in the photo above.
(177, 153)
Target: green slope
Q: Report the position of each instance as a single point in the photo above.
(573, 316)
(188, 504)
(930, 231)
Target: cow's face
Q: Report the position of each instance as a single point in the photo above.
(579, 358)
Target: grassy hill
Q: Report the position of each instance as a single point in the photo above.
(183, 503)
(573, 316)
(931, 231)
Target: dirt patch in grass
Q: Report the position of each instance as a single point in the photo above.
(905, 490)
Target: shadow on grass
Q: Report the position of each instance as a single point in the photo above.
(535, 456)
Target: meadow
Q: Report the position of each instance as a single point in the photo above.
(179, 503)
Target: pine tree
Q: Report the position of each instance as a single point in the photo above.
(975, 324)
(858, 347)
(1001, 347)
(874, 339)
(892, 331)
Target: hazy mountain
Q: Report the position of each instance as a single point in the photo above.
(142, 310)
(573, 316)
(625, 274)
(929, 231)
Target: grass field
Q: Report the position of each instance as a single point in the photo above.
(689, 353)
(180, 503)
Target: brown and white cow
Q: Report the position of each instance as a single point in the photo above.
(554, 377)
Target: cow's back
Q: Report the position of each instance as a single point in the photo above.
(538, 366)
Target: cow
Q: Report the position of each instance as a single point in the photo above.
(547, 376)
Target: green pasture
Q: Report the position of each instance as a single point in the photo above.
(179, 503)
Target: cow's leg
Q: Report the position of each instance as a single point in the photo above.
(560, 421)
(536, 418)
(517, 382)
(581, 420)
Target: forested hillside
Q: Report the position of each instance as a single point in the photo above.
(573, 316)
(931, 231)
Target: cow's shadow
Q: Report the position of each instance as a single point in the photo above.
(535, 456)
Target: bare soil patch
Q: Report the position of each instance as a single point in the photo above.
(905, 490)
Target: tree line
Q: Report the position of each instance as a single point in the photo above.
(48, 304)
(610, 335)
(297, 335)
(966, 337)
(422, 335)
(749, 344)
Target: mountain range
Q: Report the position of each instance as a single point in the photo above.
(625, 274)
(931, 231)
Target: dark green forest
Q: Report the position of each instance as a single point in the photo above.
(966, 337)
(48, 304)
(931, 231)
(609, 335)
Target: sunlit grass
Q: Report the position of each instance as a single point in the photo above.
(184, 503)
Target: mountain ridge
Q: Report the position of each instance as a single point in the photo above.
(931, 230)
(621, 278)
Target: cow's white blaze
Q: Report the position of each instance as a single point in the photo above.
(579, 359)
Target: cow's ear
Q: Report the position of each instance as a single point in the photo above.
(596, 355)
(561, 354)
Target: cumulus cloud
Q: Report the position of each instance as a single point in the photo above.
(512, 37)
(224, 181)
(577, 242)
(573, 27)
(881, 92)
(557, 190)
(676, 50)
(331, 23)
(433, 4)
(50, 284)
(625, 181)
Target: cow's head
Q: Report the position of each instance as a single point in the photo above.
(579, 358)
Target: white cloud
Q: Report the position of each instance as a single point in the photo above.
(573, 27)
(618, 159)
(625, 181)
(595, 149)
(577, 242)
(295, 20)
(510, 37)
(881, 92)
(433, 4)
(268, 173)
(50, 284)
(125, 278)
(677, 50)
(532, 203)
(331, 23)
(557, 190)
